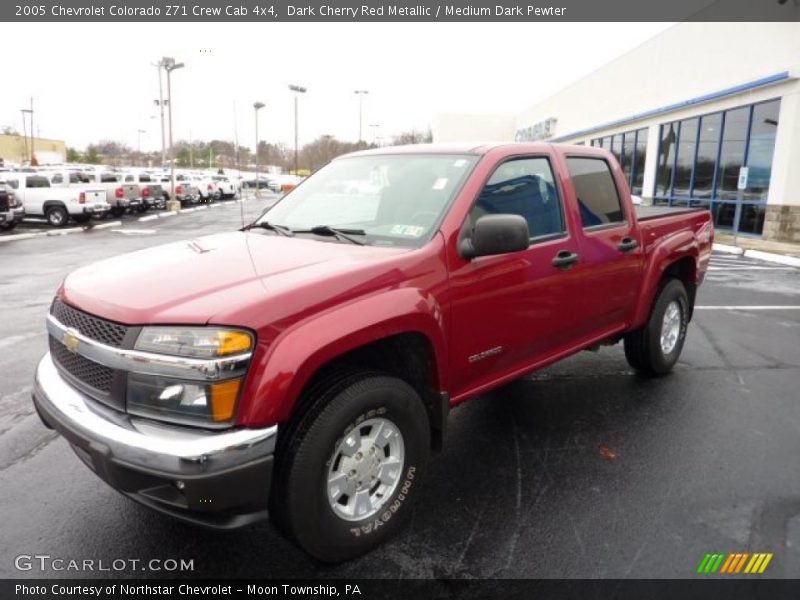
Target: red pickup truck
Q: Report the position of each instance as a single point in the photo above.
(303, 367)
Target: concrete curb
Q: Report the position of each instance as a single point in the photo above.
(106, 225)
(728, 249)
(780, 259)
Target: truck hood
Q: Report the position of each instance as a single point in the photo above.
(223, 278)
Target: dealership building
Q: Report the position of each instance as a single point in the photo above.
(704, 114)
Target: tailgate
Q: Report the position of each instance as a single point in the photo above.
(131, 191)
(94, 197)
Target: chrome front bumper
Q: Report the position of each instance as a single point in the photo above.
(218, 479)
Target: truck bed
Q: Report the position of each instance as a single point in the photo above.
(644, 213)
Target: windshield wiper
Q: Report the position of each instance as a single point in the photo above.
(282, 229)
(339, 234)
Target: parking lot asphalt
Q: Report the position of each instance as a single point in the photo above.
(579, 470)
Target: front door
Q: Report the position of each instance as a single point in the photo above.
(510, 309)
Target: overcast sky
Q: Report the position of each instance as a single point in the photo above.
(95, 81)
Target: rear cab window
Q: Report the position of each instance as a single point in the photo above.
(596, 192)
(524, 186)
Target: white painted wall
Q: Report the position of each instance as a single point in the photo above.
(469, 128)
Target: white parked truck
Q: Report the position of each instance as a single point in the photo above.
(56, 203)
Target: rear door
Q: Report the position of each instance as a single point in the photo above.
(609, 244)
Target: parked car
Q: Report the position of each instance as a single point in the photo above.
(121, 196)
(186, 192)
(207, 188)
(11, 210)
(151, 191)
(227, 188)
(304, 366)
(56, 203)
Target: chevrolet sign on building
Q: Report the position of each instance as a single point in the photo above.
(543, 130)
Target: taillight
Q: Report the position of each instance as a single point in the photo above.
(179, 189)
(82, 198)
(146, 193)
(210, 187)
(119, 193)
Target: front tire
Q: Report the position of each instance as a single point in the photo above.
(654, 349)
(347, 476)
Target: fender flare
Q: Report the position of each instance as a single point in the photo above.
(285, 365)
(670, 249)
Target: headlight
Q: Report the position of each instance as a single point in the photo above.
(189, 402)
(194, 342)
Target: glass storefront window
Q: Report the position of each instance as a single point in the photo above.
(666, 159)
(710, 130)
(684, 165)
(752, 218)
(628, 145)
(731, 156)
(639, 159)
(724, 212)
(616, 147)
(699, 161)
(630, 150)
(761, 149)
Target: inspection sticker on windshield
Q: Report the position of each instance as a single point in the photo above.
(410, 230)
(440, 183)
(460, 162)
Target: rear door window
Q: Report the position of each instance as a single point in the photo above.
(36, 181)
(598, 198)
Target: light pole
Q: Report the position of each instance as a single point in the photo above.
(139, 133)
(256, 107)
(160, 104)
(360, 94)
(30, 112)
(25, 130)
(374, 127)
(169, 66)
(298, 90)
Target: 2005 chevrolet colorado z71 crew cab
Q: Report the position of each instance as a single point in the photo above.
(304, 366)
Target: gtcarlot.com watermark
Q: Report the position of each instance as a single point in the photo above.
(48, 563)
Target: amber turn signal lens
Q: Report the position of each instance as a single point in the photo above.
(233, 342)
(223, 399)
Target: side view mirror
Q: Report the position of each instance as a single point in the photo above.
(496, 234)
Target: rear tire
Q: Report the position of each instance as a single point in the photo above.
(57, 216)
(82, 218)
(653, 349)
(117, 211)
(347, 475)
(8, 226)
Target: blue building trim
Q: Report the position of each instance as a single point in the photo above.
(731, 91)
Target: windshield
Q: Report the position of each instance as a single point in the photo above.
(394, 200)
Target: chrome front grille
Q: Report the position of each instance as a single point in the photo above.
(86, 371)
(105, 332)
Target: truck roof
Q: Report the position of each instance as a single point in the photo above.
(467, 148)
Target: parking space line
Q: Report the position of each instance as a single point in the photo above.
(148, 218)
(737, 268)
(754, 307)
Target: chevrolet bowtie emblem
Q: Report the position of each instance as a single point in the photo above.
(71, 340)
